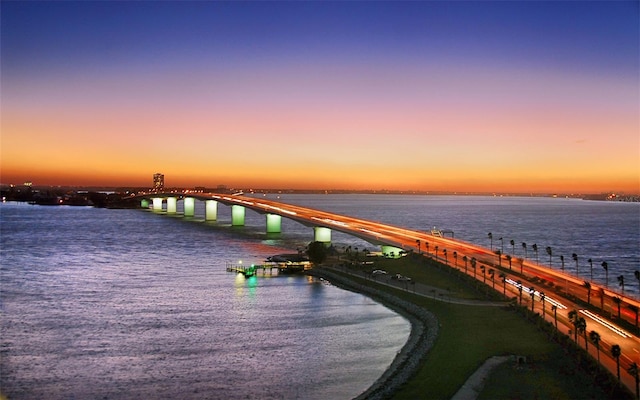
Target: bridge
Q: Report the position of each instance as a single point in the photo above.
(565, 292)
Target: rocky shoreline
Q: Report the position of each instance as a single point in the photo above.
(424, 330)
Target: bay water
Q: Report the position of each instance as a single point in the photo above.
(100, 303)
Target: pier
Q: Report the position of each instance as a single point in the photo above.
(282, 268)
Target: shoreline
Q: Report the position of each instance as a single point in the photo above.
(424, 331)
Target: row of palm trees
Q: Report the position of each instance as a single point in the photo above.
(549, 251)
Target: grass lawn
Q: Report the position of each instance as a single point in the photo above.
(471, 334)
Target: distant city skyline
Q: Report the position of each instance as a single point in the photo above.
(526, 97)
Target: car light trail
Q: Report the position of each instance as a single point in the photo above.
(606, 323)
(546, 298)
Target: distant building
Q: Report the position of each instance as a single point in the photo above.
(158, 182)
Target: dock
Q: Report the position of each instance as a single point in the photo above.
(281, 268)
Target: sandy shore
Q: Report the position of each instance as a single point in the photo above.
(424, 330)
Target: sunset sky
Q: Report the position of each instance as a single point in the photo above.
(462, 96)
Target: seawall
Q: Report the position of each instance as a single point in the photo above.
(424, 330)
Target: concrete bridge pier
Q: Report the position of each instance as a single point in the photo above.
(322, 234)
(157, 204)
(144, 203)
(210, 210)
(391, 251)
(274, 223)
(172, 205)
(189, 206)
(237, 215)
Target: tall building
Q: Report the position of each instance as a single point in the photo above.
(158, 182)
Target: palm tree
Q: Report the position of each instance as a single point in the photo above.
(535, 249)
(508, 257)
(621, 282)
(606, 271)
(635, 310)
(501, 245)
(532, 292)
(542, 297)
(554, 308)
(484, 277)
(575, 258)
(426, 245)
(491, 274)
(573, 318)
(473, 265)
(436, 252)
(465, 259)
(618, 301)
(588, 286)
(513, 246)
(446, 260)
(601, 293)
(562, 260)
(550, 253)
(499, 254)
(520, 290)
(590, 261)
(503, 276)
(616, 352)
(595, 339)
(582, 329)
(634, 371)
(491, 237)
(455, 258)
(524, 246)
(418, 243)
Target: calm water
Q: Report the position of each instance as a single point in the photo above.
(123, 303)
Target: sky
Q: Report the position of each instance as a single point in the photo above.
(507, 96)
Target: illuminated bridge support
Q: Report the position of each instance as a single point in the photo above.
(189, 206)
(210, 210)
(157, 204)
(172, 205)
(144, 203)
(391, 251)
(322, 234)
(237, 215)
(274, 223)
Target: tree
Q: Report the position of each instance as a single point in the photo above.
(520, 290)
(509, 258)
(573, 318)
(484, 277)
(490, 235)
(542, 297)
(595, 339)
(621, 282)
(590, 261)
(473, 265)
(575, 258)
(606, 271)
(524, 246)
(635, 310)
(418, 243)
(535, 250)
(581, 327)
(465, 259)
(513, 246)
(633, 371)
(532, 292)
(554, 308)
(550, 253)
(618, 301)
(504, 283)
(491, 274)
(588, 286)
(317, 252)
(499, 254)
(616, 352)
(444, 253)
(562, 261)
(455, 258)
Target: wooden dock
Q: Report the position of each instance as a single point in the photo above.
(281, 268)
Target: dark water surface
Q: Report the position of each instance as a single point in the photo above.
(125, 304)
